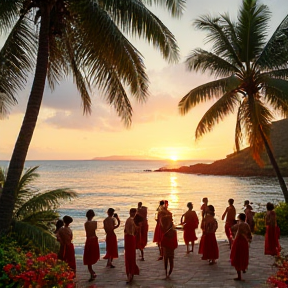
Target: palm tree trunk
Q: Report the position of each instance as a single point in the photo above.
(8, 197)
(275, 165)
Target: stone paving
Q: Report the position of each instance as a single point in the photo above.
(189, 270)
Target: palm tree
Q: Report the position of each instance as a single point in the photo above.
(35, 211)
(79, 37)
(251, 77)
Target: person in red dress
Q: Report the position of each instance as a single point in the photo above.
(110, 224)
(204, 210)
(272, 246)
(249, 215)
(240, 248)
(142, 229)
(209, 227)
(67, 252)
(190, 222)
(169, 242)
(157, 231)
(130, 247)
(230, 214)
(91, 249)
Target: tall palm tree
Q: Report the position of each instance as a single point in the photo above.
(79, 37)
(35, 211)
(251, 76)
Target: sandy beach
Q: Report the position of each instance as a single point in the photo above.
(189, 270)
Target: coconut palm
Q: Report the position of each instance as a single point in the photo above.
(251, 76)
(83, 38)
(35, 213)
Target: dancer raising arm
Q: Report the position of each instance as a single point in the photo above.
(111, 240)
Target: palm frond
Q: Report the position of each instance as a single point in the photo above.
(255, 114)
(202, 60)
(278, 74)
(175, 7)
(134, 17)
(82, 83)
(216, 113)
(206, 92)
(9, 12)
(5, 105)
(221, 32)
(46, 200)
(275, 53)
(28, 177)
(58, 64)
(17, 58)
(40, 238)
(252, 29)
(43, 219)
(276, 94)
(238, 129)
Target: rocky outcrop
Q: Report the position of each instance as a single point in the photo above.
(242, 163)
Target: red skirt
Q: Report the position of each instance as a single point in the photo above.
(228, 231)
(157, 234)
(272, 246)
(240, 253)
(189, 234)
(210, 247)
(201, 244)
(144, 234)
(67, 254)
(91, 251)
(130, 255)
(111, 246)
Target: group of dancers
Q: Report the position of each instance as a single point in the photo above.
(238, 232)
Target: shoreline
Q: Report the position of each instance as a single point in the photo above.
(189, 270)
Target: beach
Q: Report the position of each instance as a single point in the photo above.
(189, 270)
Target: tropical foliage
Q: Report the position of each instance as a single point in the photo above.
(83, 38)
(23, 268)
(35, 211)
(281, 211)
(251, 76)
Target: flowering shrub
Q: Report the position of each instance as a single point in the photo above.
(20, 269)
(280, 279)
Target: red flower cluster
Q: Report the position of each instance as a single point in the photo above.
(43, 271)
(280, 279)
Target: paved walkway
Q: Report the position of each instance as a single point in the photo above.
(189, 270)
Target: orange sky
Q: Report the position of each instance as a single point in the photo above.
(158, 130)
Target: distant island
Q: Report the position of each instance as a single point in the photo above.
(128, 158)
(242, 163)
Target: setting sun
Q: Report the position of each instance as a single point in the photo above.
(173, 158)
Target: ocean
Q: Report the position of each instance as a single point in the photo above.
(122, 184)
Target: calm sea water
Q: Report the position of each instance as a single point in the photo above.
(122, 184)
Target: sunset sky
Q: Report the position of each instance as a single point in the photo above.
(158, 130)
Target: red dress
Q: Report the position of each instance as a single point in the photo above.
(130, 255)
(240, 248)
(111, 246)
(141, 235)
(67, 252)
(272, 246)
(210, 246)
(169, 243)
(191, 223)
(91, 251)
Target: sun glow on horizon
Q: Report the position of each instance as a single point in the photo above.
(174, 157)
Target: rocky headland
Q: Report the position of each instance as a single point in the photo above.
(242, 163)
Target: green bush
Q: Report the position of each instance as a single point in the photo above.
(259, 219)
(281, 211)
(282, 217)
